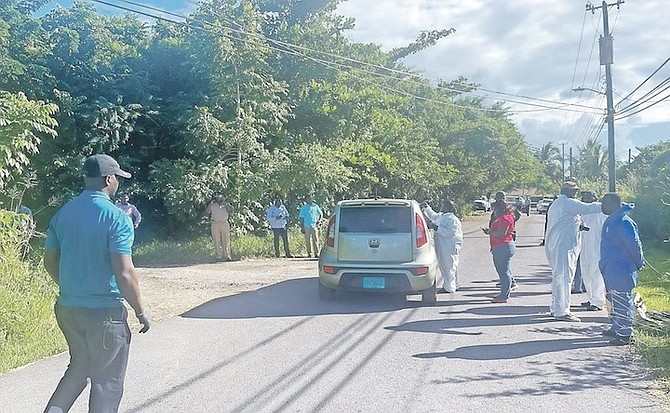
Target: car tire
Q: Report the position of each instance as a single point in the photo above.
(429, 296)
(326, 294)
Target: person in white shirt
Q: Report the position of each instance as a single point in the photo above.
(278, 218)
(448, 241)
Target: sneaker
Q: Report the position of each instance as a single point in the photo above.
(621, 340)
(514, 286)
(498, 299)
(609, 333)
(593, 308)
(567, 317)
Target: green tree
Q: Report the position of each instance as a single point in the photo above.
(23, 123)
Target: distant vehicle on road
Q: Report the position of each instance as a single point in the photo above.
(534, 200)
(512, 199)
(379, 246)
(544, 204)
(482, 205)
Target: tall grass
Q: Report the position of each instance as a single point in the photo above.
(654, 287)
(201, 250)
(28, 329)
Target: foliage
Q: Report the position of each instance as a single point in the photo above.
(226, 104)
(22, 122)
(649, 176)
(592, 162)
(28, 329)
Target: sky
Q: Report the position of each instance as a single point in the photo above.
(539, 49)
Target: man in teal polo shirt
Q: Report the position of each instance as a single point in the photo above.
(310, 215)
(88, 254)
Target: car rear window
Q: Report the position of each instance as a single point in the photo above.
(382, 219)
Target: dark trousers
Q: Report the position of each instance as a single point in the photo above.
(502, 257)
(578, 282)
(280, 232)
(98, 340)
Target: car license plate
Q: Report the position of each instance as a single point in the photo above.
(374, 282)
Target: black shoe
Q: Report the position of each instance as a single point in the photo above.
(289, 256)
(586, 304)
(609, 333)
(621, 340)
(593, 308)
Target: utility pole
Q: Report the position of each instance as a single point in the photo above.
(571, 174)
(563, 161)
(630, 156)
(607, 59)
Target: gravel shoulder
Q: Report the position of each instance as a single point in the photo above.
(170, 291)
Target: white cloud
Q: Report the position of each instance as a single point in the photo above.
(530, 48)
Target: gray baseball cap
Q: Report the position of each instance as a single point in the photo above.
(96, 166)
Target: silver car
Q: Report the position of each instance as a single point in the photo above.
(378, 245)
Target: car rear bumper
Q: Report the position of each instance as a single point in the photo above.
(401, 278)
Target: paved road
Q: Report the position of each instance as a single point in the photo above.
(279, 349)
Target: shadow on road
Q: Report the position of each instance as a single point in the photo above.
(298, 297)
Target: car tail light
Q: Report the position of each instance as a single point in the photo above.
(421, 234)
(329, 269)
(330, 240)
(421, 271)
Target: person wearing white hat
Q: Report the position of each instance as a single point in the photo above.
(563, 244)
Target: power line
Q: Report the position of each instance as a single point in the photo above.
(644, 81)
(560, 105)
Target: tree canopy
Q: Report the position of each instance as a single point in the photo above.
(252, 98)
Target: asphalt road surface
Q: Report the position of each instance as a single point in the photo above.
(279, 349)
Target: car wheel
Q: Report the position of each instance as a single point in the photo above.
(429, 296)
(325, 293)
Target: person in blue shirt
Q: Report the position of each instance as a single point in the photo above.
(310, 215)
(620, 259)
(88, 254)
(278, 219)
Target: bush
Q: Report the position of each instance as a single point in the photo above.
(28, 329)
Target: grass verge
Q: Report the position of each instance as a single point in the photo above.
(28, 329)
(201, 250)
(654, 286)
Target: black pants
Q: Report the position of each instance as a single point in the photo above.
(280, 232)
(98, 340)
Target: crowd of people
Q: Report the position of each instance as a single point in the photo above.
(88, 254)
(596, 240)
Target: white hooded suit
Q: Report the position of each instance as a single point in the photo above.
(562, 247)
(589, 257)
(448, 242)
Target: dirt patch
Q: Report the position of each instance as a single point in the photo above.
(171, 291)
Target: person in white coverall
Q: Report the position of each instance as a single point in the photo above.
(590, 256)
(563, 244)
(448, 241)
